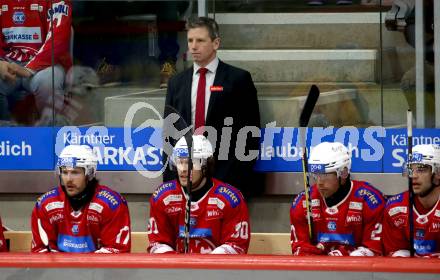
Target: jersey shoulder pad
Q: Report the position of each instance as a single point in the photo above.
(369, 194)
(229, 193)
(164, 188)
(109, 197)
(395, 199)
(297, 199)
(47, 196)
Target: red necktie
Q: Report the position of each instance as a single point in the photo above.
(200, 101)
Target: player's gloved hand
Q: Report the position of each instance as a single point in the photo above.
(339, 251)
(362, 252)
(308, 250)
(401, 253)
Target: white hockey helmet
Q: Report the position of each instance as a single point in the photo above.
(202, 150)
(427, 154)
(329, 157)
(78, 156)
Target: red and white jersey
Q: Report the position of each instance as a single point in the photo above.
(354, 222)
(219, 220)
(396, 227)
(3, 247)
(25, 32)
(102, 225)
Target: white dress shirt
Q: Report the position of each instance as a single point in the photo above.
(210, 76)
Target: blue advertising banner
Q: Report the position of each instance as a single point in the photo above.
(374, 149)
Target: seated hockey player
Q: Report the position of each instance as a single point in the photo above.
(424, 170)
(80, 215)
(3, 247)
(346, 214)
(219, 218)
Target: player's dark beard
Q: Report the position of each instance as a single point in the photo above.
(340, 194)
(429, 191)
(84, 197)
(198, 194)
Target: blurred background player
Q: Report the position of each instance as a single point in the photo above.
(219, 215)
(26, 43)
(347, 214)
(424, 170)
(80, 215)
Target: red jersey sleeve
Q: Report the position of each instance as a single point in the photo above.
(236, 232)
(39, 217)
(161, 232)
(115, 234)
(62, 19)
(395, 220)
(3, 247)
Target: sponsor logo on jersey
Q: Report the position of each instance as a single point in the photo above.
(346, 239)
(34, 7)
(22, 35)
(332, 210)
(297, 200)
(399, 221)
(75, 244)
(420, 233)
(111, 199)
(47, 195)
(316, 203)
(4, 8)
(59, 9)
(92, 218)
(372, 199)
(173, 210)
(212, 214)
(422, 219)
(354, 219)
(230, 194)
(396, 210)
(75, 229)
(194, 206)
(196, 232)
(162, 189)
(424, 247)
(215, 201)
(437, 213)
(18, 17)
(317, 168)
(54, 205)
(56, 218)
(172, 198)
(395, 199)
(355, 205)
(331, 226)
(435, 226)
(96, 207)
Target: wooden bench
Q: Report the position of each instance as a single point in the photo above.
(261, 243)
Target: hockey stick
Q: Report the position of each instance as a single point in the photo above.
(43, 235)
(304, 119)
(188, 133)
(410, 184)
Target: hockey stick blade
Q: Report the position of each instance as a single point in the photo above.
(309, 105)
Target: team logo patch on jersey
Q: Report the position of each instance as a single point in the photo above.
(355, 205)
(396, 210)
(331, 226)
(96, 207)
(163, 189)
(395, 199)
(18, 17)
(215, 201)
(111, 199)
(230, 194)
(372, 199)
(47, 195)
(54, 205)
(172, 198)
(75, 229)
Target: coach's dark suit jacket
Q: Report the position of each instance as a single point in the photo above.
(237, 98)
